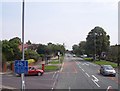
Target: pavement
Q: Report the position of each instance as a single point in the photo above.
(3, 73)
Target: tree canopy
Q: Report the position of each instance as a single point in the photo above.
(97, 41)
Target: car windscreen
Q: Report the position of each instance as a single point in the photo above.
(109, 68)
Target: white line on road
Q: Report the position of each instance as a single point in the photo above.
(69, 88)
(83, 70)
(62, 67)
(56, 76)
(95, 83)
(95, 80)
(54, 82)
(87, 74)
(79, 67)
(53, 75)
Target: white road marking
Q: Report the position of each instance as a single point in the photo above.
(87, 74)
(53, 75)
(92, 64)
(109, 87)
(56, 76)
(83, 70)
(55, 82)
(95, 80)
(69, 88)
(62, 67)
(79, 67)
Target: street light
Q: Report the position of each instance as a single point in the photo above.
(22, 75)
(95, 46)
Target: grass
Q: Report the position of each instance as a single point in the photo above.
(54, 62)
(88, 59)
(103, 62)
(51, 68)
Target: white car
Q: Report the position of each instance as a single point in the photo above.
(107, 70)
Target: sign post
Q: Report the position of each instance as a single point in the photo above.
(21, 67)
(22, 75)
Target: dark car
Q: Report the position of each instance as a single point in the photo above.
(107, 70)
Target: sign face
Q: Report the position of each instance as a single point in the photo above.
(58, 53)
(21, 66)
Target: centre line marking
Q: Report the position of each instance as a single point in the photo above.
(83, 70)
(87, 74)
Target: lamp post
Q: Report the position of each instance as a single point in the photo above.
(22, 75)
(95, 46)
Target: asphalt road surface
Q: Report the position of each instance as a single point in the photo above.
(75, 73)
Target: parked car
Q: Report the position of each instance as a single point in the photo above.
(33, 70)
(107, 70)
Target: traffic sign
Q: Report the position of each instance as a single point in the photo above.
(21, 66)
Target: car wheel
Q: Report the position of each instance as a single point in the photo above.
(114, 75)
(39, 73)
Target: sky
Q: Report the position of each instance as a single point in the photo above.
(58, 21)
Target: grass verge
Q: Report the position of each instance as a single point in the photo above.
(88, 59)
(51, 68)
(103, 62)
(54, 62)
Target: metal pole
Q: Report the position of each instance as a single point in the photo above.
(95, 45)
(22, 75)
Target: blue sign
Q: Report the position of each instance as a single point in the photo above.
(21, 66)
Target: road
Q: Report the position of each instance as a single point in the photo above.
(75, 73)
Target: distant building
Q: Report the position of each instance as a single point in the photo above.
(26, 46)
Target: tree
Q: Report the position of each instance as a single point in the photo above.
(31, 54)
(42, 49)
(14, 43)
(82, 47)
(76, 49)
(7, 51)
(10, 49)
(16, 40)
(29, 43)
(97, 41)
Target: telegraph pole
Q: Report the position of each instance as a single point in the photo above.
(22, 75)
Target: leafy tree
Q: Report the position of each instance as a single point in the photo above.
(10, 49)
(16, 40)
(82, 47)
(29, 43)
(42, 49)
(7, 51)
(97, 41)
(114, 54)
(31, 54)
(76, 49)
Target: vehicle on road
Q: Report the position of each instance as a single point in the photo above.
(107, 70)
(33, 70)
(74, 55)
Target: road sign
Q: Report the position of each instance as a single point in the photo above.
(21, 66)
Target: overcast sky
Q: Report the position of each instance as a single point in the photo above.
(59, 21)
